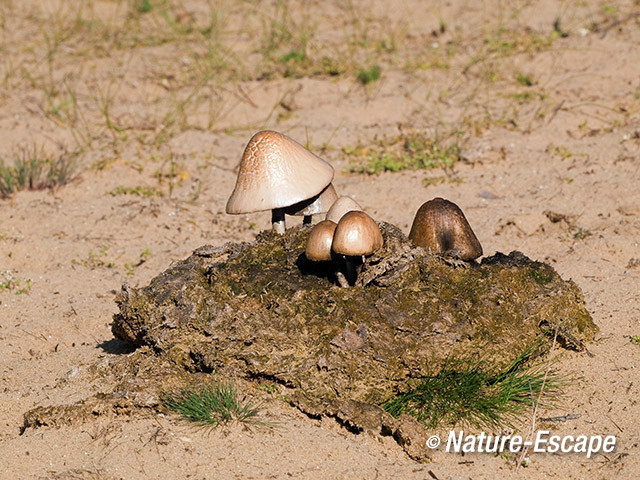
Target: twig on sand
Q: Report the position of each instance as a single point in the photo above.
(562, 418)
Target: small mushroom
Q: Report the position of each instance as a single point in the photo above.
(319, 242)
(319, 246)
(341, 206)
(318, 204)
(276, 172)
(356, 235)
(440, 227)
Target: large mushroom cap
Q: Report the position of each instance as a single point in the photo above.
(441, 227)
(275, 172)
(341, 206)
(314, 205)
(319, 241)
(356, 234)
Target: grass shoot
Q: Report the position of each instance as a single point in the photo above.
(471, 393)
(213, 406)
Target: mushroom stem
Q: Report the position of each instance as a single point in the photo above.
(350, 272)
(277, 220)
(306, 221)
(342, 281)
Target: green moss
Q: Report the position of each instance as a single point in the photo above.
(542, 274)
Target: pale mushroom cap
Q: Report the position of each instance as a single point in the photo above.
(319, 241)
(440, 227)
(341, 206)
(357, 234)
(318, 204)
(276, 172)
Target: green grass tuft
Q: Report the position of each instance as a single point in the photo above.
(213, 405)
(143, 6)
(293, 55)
(471, 393)
(368, 75)
(33, 169)
(525, 79)
(414, 151)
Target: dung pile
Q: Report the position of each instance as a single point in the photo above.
(262, 310)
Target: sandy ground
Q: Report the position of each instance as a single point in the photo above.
(546, 123)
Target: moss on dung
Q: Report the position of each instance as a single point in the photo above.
(263, 310)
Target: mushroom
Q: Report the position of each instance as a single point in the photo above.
(318, 204)
(276, 172)
(440, 227)
(319, 246)
(341, 206)
(319, 242)
(357, 234)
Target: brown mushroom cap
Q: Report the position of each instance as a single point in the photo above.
(314, 205)
(319, 241)
(276, 172)
(441, 227)
(341, 206)
(356, 234)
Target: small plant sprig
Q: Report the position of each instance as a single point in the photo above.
(471, 393)
(95, 259)
(130, 268)
(33, 169)
(11, 283)
(213, 405)
(368, 75)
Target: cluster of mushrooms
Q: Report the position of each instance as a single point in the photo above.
(278, 174)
